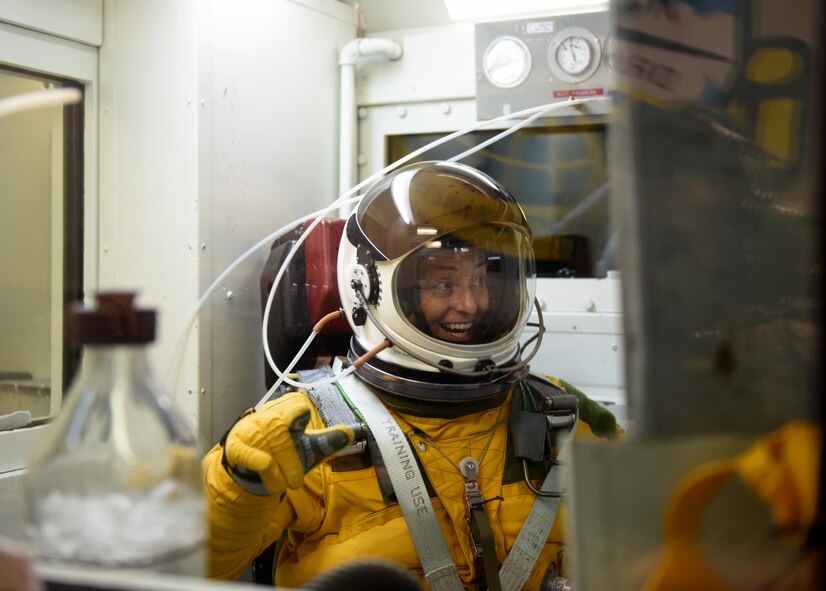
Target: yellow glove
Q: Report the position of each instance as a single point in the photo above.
(268, 451)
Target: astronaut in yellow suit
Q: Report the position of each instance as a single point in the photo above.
(436, 276)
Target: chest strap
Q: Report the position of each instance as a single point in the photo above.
(411, 492)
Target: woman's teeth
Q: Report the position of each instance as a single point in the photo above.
(458, 329)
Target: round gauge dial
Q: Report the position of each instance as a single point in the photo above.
(507, 62)
(574, 54)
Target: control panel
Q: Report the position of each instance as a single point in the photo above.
(530, 62)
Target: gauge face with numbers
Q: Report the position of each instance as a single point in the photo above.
(574, 54)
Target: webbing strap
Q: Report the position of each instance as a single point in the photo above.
(411, 493)
(521, 559)
(331, 406)
(480, 526)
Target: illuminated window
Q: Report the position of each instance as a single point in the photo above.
(41, 244)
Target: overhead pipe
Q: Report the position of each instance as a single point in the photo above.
(349, 54)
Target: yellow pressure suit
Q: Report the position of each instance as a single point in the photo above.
(338, 516)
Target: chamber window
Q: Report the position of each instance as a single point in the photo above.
(41, 235)
(559, 176)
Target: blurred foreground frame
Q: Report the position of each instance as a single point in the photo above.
(715, 151)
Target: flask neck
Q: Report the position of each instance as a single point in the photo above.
(117, 358)
(114, 371)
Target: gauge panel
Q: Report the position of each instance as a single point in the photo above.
(534, 61)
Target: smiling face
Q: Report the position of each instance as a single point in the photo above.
(453, 296)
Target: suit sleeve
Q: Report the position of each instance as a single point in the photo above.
(241, 524)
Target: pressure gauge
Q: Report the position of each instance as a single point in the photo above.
(574, 54)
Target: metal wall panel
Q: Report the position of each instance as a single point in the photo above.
(269, 155)
(218, 126)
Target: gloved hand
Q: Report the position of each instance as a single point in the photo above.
(270, 446)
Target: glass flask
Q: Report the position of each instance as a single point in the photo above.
(116, 480)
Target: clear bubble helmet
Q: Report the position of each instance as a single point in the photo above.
(437, 259)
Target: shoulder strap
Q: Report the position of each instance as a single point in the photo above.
(599, 419)
(335, 409)
(520, 561)
(331, 406)
(543, 416)
(439, 568)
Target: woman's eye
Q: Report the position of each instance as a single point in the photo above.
(437, 287)
(442, 287)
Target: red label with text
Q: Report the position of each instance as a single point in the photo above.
(579, 92)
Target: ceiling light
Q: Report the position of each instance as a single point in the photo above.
(479, 9)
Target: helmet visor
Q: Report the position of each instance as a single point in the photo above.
(469, 288)
(419, 203)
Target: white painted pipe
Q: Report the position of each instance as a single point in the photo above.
(348, 56)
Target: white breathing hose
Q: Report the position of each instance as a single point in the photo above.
(177, 356)
(283, 376)
(498, 136)
(179, 349)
